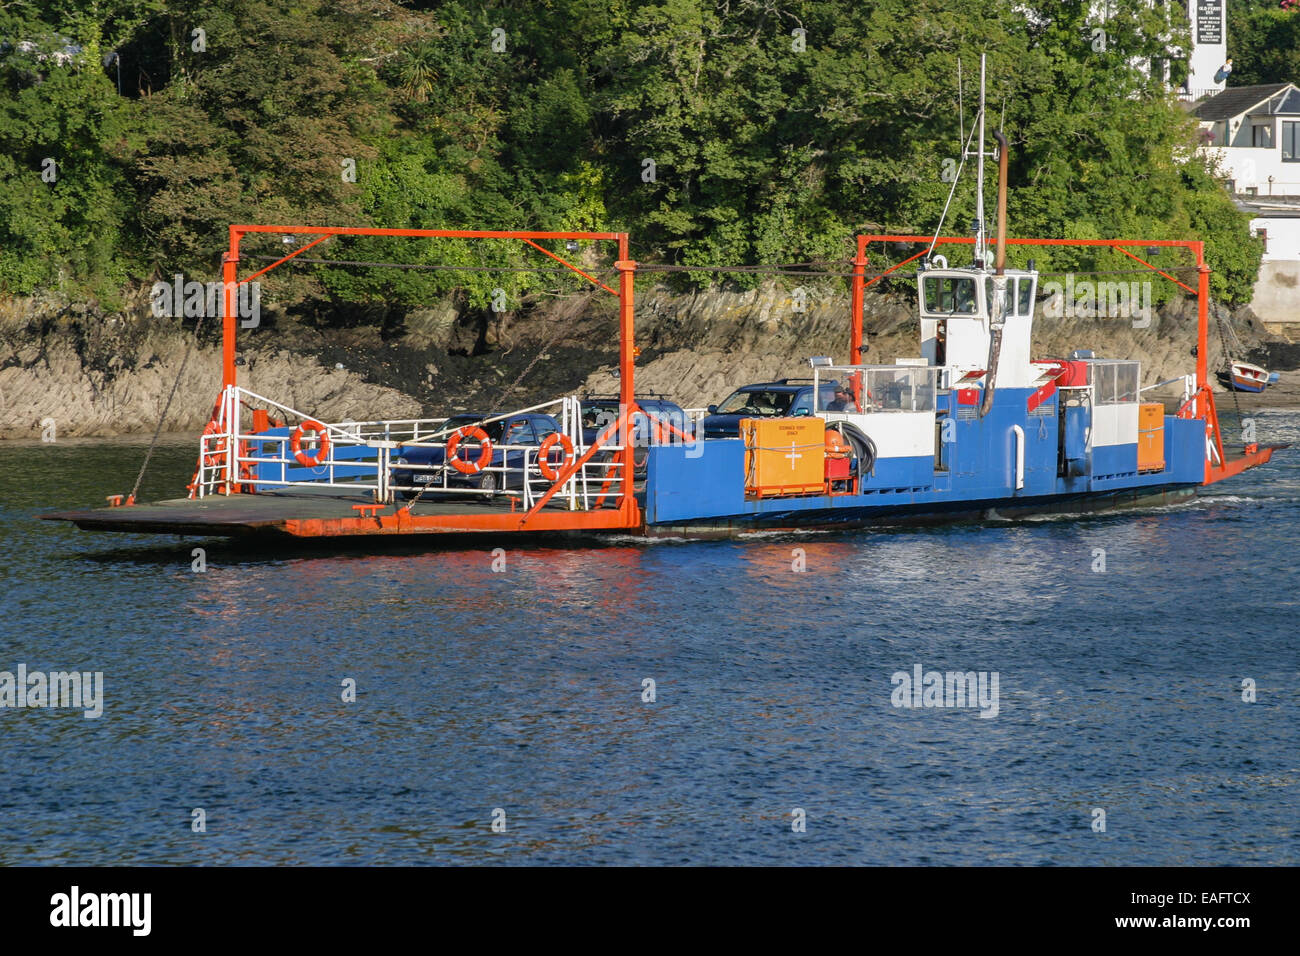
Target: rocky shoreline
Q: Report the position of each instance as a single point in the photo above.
(100, 373)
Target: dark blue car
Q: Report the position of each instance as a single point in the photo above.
(505, 470)
(599, 412)
(783, 398)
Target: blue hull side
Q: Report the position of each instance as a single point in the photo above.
(848, 519)
(702, 488)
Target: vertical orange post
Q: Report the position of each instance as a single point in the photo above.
(229, 279)
(858, 301)
(1202, 326)
(626, 359)
(1205, 408)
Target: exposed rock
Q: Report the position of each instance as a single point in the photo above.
(98, 377)
(736, 338)
(98, 372)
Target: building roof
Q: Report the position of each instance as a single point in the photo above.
(1237, 100)
(1269, 210)
(1286, 103)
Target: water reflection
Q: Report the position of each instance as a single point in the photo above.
(523, 689)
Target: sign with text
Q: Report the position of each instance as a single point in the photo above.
(1209, 21)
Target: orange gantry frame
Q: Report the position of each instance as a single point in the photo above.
(627, 515)
(1204, 398)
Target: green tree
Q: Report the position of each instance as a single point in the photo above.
(776, 130)
(1264, 42)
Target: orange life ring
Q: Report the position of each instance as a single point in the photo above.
(216, 456)
(484, 455)
(295, 443)
(544, 450)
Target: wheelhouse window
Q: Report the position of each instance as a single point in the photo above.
(949, 295)
(1291, 142)
(1025, 296)
(1020, 294)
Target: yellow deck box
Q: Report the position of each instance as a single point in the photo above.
(784, 456)
(1151, 437)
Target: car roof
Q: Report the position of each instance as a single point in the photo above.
(640, 399)
(778, 387)
(477, 416)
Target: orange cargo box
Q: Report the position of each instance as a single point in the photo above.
(783, 456)
(1151, 437)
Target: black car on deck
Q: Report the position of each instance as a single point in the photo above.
(783, 398)
(528, 428)
(600, 411)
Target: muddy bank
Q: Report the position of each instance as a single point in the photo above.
(97, 372)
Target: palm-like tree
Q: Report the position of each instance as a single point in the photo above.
(416, 73)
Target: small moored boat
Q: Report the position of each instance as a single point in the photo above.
(1245, 377)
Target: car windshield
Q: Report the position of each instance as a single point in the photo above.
(601, 413)
(598, 415)
(593, 412)
(519, 432)
(757, 401)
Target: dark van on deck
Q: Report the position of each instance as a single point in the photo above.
(598, 412)
(783, 398)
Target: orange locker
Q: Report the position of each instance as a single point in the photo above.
(1151, 437)
(783, 456)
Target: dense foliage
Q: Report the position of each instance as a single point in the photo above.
(1264, 42)
(715, 131)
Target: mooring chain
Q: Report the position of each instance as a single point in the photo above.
(555, 334)
(162, 419)
(1228, 358)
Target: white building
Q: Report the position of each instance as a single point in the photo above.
(1277, 290)
(1252, 133)
(1209, 20)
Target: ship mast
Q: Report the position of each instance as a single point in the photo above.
(981, 253)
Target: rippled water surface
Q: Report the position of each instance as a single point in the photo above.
(522, 690)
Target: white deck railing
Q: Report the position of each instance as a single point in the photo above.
(364, 457)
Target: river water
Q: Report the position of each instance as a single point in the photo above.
(520, 695)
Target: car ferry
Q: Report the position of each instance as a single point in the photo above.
(971, 425)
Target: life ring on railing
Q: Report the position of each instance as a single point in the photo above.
(484, 455)
(322, 450)
(544, 450)
(215, 457)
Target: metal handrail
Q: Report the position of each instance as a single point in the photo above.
(222, 465)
